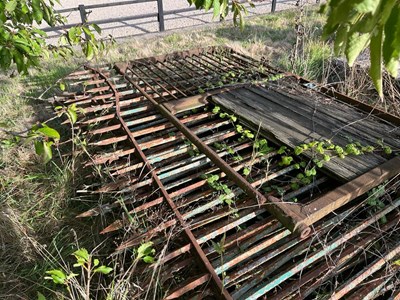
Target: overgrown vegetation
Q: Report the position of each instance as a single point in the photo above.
(38, 203)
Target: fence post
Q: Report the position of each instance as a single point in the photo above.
(83, 13)
(273, 6)
(160, 15)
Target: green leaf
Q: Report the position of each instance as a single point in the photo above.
(62, 86)
(40, 296)
(97, 28)
(341, 39)
(82, 255)
(58, 276)
(5, 58)
(208, 3)
(391, 43)
(37, 11)
(39, 147)
(49, 132)
(216, 8)
(96, 262)
(11, 5)
(89, 51)
(367, 6)
(355, 44)
(376, 60)
(148, 259)
(246, 171)
(103, 270)
(48, 153)
(145, 249)
(72, 115)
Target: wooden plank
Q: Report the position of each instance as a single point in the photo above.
(342, 117)
(346, 115)
(342, 195)
(290, 131)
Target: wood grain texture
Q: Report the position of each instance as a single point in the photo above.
(293, 119)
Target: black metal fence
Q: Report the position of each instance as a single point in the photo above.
(85, 10)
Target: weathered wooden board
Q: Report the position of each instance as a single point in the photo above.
(294, 119)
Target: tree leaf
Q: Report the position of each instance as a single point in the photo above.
(148, 259)
(208, 4)
(58, 276)
(82, 254)
(39, 148)
(367, 6)
(103, 270)
(97, 28)
(96, 262)
(48, 153)
(49, 132)
(216, 8)
(355, 44)
(144, 249)
(391, 43)
(89, 51)
(40, 296)
(376, 60)
(11, 5)
(5, 58)
(37, 11)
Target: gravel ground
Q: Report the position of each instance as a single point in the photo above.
(173, 18)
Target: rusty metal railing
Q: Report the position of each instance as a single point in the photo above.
(152, 129)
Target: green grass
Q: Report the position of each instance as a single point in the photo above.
(38, 202)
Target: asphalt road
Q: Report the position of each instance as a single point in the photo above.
(173, 18)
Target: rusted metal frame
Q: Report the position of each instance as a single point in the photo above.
(198, 69)
(116, 155)
(148, 85)
(108, 157)
(328, 268)
(147, 144)
(166, 75)
(217, 69)
(157, 81)
(160, 155)
(203, 259)
(188, 286)
(374, 288)
(201, 208)
(227, 62)
(218, 65)
(191, 87)
(188, 88)
(240, 58)
(185, 164)
(262, 289)
(177, 55)
(248, 269)
(184, 68)
(284, 213)
(342, 195)
(360, 277)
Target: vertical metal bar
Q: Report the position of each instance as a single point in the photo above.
(273, 6)
(160, 15)
(82, 12)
